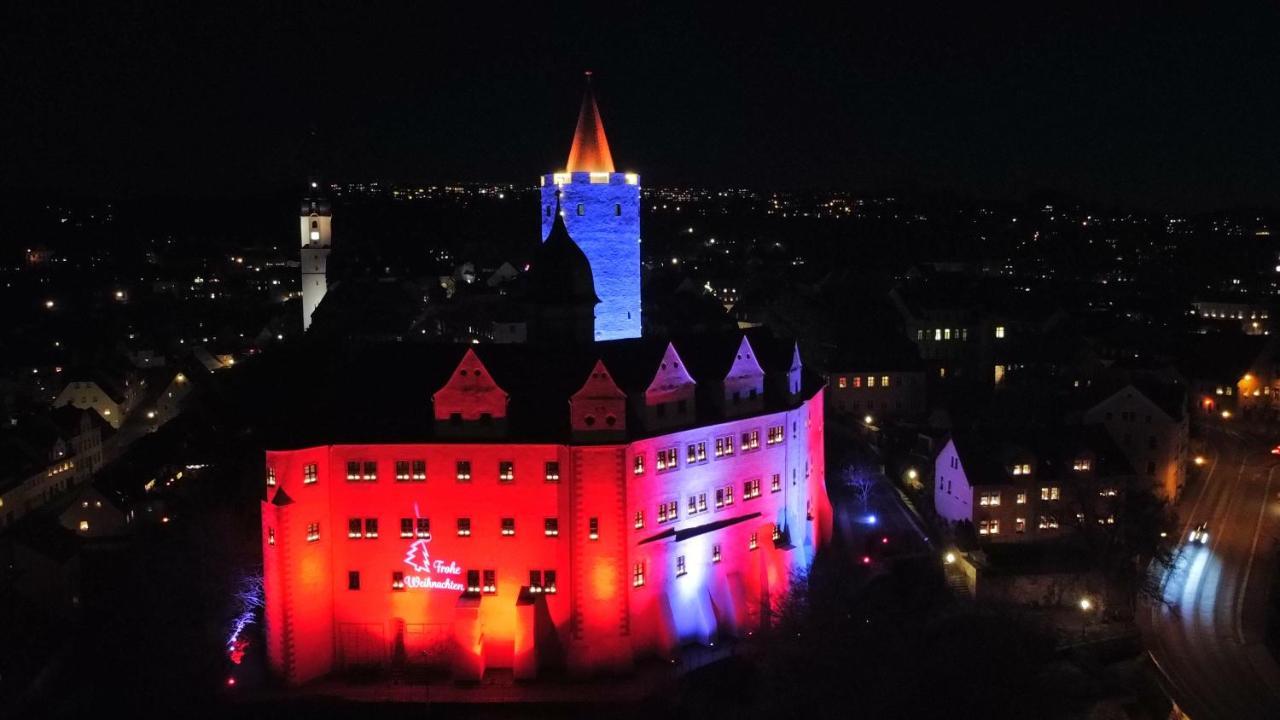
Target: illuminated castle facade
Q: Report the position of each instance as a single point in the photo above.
(559, 509)
(602, 213)
(562, 505)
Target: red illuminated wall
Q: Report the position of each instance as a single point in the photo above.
(596, 619)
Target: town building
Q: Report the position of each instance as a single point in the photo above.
(1150, 424)
(1017, 489)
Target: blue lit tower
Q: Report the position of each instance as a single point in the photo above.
(602, 214)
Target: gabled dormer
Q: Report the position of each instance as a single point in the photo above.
(744, 383)
(470, 403)
(598, 411)
(669, 399)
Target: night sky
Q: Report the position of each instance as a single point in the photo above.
(1143, 106)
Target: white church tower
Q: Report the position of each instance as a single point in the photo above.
(317, 235)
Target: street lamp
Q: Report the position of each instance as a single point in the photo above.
(867, 419)
(1199, 460)
(949, 558)
(1085, 606)
(912, 474)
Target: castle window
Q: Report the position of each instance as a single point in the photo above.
(271, 477)
(535, 581)
(402, 470)
(751, 489)
(639, 522)
(549, 582)
(506, 471)
(842, 382)
(593, 529)
(637, 575)
(353, 579)
(753, 542)
(776, 434)
(553, 471)
(464, 471)
(464, 527)
(668, 511)
(490, 582)
(697, 452)
(397, 580)
(355, 528)
(582, 209)
(637, 465)
(724, 496)
(310, 473)
(667, 459)
(406, 527)
(680, 567)
(370, 472)
(473, 581)
(271, 536)
(313, 532)
(750, 440)
(424, 528)
(371, 528)
(551, 527)
(419, 471)
(353, 470)
(508, 527)
(775, 483)
(697, 503)
(715, 553)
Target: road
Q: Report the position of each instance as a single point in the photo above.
(1206, 637)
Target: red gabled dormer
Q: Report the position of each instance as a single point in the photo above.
(744, 383)
(599, 409)
(669, 399)
(470, 401)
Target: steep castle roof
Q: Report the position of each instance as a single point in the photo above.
(590, 149)
(560, 273)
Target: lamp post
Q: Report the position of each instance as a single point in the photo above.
(1085, 606)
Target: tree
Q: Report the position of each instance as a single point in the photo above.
(861, 484)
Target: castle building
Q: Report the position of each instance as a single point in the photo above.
(569, 508)
(602, 213)
(316, 232)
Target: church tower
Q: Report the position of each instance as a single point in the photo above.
(317, 235)
(601, 210)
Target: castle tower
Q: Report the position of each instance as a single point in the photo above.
(602, 214)
(317, 235)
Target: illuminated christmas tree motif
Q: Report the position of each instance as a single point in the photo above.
(418, 558)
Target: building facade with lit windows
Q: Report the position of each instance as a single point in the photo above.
(549, 507)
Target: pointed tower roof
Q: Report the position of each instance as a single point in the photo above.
(560, 272)
(590, 149)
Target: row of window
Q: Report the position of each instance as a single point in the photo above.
(991, 498)
(857, 381)
(1046, 522)
(367, 528)
(416, 471)
(669, 511)
(478, 581)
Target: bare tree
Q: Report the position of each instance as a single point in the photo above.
(860, 483)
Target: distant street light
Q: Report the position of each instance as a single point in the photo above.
(912, 474)
(1226, 414)
(1199, 460)
(949, 558)
(867, 419)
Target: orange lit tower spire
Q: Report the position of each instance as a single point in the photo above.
(590, 149)
(601, 210)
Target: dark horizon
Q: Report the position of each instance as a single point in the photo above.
(1155, 109)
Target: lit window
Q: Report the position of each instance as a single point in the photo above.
(406, 527)
(535, 581)
(271, 477)
(402, 470)
(552, 472)
(551, 527)
(582, 210)
(637, 575)
(750, 440)
(549, 582)
(473, 581)
(353, 470)
(419, 471)
(1048, 522)
(506, 471)
(271, 536)
(857, 381)
(355, 528)
(310, 473)
(1049, 493)
(999, 331)
(1020, 525)
(508, 526)
(490, 582)
(370, 471)
(464, 471)
(753, 542)
(1108, 492)
(696, 452)
(871, 381)
(424, 528)
(884, 381)
(989, 498)
(639, 522)
(371, 527)
(724, 446)
(84, 526)
(715, 553)
(666, 459)
(1081, 464)
(313, 532)
(397, 580)
(668, 511)
(724, 496)
(751, 489)
(776, 435)
(680, 567)
(637, 465)
(464, 527)
(775, 483)
(842, 382)
(593, 529)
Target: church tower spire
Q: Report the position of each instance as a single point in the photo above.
(315, 220)
(590, 149)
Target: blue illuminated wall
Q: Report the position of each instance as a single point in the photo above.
(602, 214)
